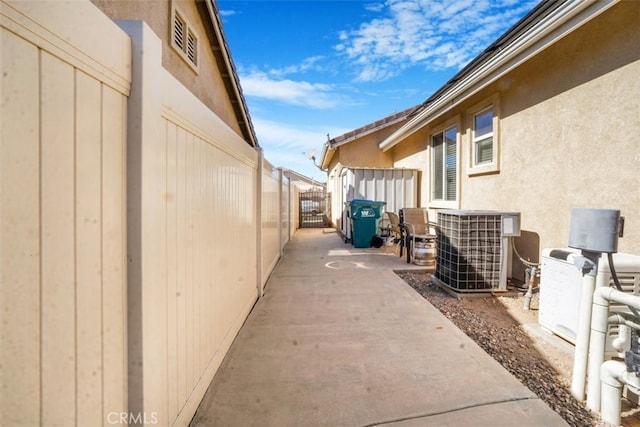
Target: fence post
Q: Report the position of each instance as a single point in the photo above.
(147, 392)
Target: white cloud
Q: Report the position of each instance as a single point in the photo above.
(299, 139)
(301, 93)
(435, 34)
(288, 146)
(227, 12)
(311, 63)
(374, 7)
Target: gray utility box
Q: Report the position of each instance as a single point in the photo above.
(594, 230)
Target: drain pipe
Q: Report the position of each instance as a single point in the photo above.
(612, 376)
(599, 326)
(529, 294)
(598, 347)
(626, 322)
(588, 263)
(621, 342)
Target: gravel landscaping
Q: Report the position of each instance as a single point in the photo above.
(497, 325)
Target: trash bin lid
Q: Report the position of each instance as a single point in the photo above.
(359, 202)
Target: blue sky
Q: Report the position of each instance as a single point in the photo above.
(311, 68)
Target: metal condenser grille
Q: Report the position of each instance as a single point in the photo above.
(469, 250)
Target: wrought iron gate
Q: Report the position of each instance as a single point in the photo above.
(313, 210)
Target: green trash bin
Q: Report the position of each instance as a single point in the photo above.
(364, 215)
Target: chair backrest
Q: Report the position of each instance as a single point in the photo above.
(417, 217)
(394, 222)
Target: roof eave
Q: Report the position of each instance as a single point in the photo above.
(374, 127)
(327, 155)
(243, 110)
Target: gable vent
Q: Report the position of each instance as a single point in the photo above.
(184, 39)
(192, 51)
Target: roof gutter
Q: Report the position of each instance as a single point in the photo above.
(557, 24)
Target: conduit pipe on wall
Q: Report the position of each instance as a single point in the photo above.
(602, 298)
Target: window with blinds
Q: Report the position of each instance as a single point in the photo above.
(185, 40)
(445, 164)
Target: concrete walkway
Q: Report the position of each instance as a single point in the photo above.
(340, 340)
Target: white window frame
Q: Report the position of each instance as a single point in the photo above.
(441, 129)
(189, 47)
(493, 166)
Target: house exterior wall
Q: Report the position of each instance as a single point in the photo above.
(569, 129)
(63, 345)
(414, 153)
(364, 152)
(207, 84)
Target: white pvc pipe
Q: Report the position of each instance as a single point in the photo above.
(612, 375)
(597, 343)
(582, 338)
(529, 294)
(624, 319)
(612, 294)
(621, 342)
(599, 326)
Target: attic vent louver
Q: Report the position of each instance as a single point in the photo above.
(192, 48)
(185, 40)
(178, 32)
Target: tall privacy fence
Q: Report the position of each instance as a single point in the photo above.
(137, 229)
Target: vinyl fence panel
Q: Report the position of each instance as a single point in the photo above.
(62, 215)
(192, 243)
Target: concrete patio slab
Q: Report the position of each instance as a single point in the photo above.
(340, 340)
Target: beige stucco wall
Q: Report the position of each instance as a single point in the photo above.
(568, 133)
(207, 84)
(414, 153)
(364, 152)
